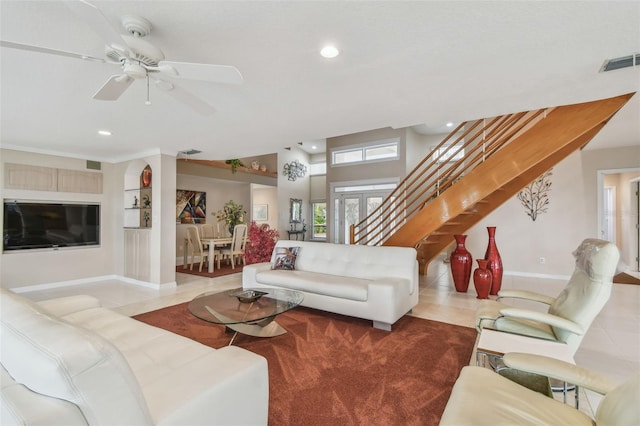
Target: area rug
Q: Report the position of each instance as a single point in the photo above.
(623, 278)
(331, 369)
(217, 272)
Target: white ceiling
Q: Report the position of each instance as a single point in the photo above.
(402, 64)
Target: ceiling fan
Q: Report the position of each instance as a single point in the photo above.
(139, 59)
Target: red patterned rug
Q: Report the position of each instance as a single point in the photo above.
(225, 269)
(331, 369)
(623, 278)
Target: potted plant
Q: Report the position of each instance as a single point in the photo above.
(234, 163)
(261, 242)
(232, 214)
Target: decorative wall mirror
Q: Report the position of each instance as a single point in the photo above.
(295, 210)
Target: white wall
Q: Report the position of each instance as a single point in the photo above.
(626, 215)
(266, 195)
(571, 217)
(292, 189)
(32, 267)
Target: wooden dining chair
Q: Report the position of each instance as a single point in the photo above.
(195, 246)
(207, 231)
(238, 241)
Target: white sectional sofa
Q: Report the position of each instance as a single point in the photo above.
(375, 283)
(69, 361)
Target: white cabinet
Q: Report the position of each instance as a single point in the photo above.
(137, 245)
(79, 181)
(35, 178)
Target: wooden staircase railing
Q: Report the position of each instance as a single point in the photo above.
(440, 198)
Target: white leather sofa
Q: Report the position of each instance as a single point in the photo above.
(375, 283)
(69, 361)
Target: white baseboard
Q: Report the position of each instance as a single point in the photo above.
(61, 284)
(535, 275)
(147, 284)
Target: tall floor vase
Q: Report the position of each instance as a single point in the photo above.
(482, 279)
(461, 264)
(495, 262)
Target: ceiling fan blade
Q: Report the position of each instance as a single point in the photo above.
(39, 49)
(204, 72)
(92, 16)
(113, 88)
(187, 98)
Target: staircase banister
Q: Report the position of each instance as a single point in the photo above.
(542, 144)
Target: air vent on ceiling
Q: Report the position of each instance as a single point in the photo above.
(622, 62)
(94, 165)
(190, 152)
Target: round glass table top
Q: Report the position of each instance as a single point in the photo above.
(244, 306)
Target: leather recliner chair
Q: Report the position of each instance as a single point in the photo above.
(482, 397)
(569, 315)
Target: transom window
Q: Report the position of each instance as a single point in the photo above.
(317, 169)
(454, 153)
(378, 151)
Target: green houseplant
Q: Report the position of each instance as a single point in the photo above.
(234, 163)
(232, 214)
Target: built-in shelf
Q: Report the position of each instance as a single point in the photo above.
(137, 206)
(242, 169)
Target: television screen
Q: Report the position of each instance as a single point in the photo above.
(32, 225)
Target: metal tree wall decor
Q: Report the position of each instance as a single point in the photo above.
(535, 197)
(294, 170)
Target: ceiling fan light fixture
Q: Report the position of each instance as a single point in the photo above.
(134, 70)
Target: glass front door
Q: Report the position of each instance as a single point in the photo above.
(351, 209)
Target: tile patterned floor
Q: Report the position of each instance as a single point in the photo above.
(611, 347)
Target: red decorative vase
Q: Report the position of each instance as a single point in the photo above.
(146, 177)
(482, 279)
(461, 264)
(495, 262)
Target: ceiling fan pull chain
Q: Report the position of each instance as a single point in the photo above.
(148, 101)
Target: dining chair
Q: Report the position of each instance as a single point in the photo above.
(207, 230)
(238, 242)
(195, 246)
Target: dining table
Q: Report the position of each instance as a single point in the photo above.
(211, 243)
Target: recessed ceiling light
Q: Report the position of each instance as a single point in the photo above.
(314, 147)
(329, 52)
(449, 124)
(104, 132)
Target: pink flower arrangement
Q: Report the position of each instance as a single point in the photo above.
(261, 242)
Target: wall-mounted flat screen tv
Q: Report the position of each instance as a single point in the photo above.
(36, 225)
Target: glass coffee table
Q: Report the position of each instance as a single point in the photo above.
(246, 311)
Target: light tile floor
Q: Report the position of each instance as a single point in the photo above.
(611, 346)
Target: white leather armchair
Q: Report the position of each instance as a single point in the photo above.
(569, 315)
(482, 397)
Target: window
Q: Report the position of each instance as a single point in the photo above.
(319, 219)
(351, 156)
(380, 150)
(455, 153)
(318, 169)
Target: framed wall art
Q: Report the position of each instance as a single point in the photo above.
(260, 212)
(191, 206)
